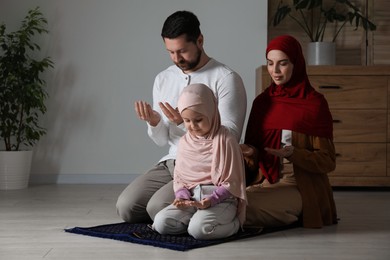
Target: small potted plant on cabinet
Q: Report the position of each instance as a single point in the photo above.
(315, 16)
(22, 98)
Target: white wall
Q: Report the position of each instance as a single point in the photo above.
(106, 55)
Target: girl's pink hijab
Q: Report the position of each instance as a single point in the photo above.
(227, 166)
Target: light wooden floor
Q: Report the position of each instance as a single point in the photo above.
(32, 223)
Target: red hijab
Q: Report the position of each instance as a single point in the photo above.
(294, 106)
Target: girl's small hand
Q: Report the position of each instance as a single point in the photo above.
(203, 204)
(182, 204)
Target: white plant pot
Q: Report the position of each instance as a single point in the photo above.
(321, 53)
(14, 169)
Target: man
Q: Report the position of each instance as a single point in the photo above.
(153, 190)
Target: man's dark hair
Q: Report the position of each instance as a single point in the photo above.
(179, 23)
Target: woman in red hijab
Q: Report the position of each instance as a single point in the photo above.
(289, 146)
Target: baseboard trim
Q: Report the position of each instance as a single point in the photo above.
(82, 178)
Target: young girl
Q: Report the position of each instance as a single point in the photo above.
(209, 176)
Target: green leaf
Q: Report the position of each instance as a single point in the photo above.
(314, 18)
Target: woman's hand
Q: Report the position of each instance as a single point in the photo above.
(284, 152)
(250, 155)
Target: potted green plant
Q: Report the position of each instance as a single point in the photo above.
(22, 95)
(315, 16)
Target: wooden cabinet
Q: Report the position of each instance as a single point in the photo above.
(359, 99)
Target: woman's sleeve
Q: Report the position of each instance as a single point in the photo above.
(319, 158)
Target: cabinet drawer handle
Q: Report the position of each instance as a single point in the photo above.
(330, 87)
(336, 121)
(338, 154)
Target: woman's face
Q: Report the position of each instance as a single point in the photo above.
(279, 67)
(196, 123)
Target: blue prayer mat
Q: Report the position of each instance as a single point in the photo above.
(142, 234)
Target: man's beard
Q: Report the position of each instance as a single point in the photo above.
(185, 65)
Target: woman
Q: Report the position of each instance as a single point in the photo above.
(289, 146)
(209, 176)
